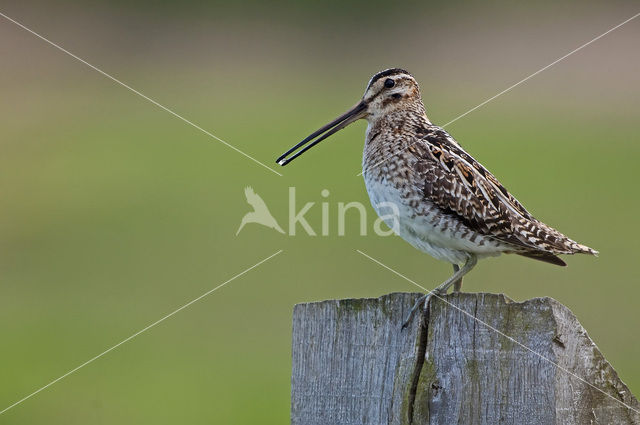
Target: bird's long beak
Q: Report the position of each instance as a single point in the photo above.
(353, 114)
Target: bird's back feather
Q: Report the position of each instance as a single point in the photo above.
(453, 180)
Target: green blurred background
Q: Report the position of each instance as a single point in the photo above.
(113, 213)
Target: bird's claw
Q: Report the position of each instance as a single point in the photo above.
(423, 300)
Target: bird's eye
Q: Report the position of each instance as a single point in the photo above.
(388, 83)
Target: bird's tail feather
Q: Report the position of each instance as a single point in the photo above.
(583, 249)
(544, 256)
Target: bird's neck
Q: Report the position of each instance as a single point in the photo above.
(390, 135)
(401, 122)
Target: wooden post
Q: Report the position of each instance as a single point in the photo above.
(352, 364)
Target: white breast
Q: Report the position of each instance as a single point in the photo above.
(426, 227)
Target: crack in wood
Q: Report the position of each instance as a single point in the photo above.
(423, 334)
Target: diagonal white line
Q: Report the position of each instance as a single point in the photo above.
(482, 322)
(511, 87)
(138, 333)
(112, 78)
(541, 70)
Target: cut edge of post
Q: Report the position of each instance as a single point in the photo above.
(416, 384)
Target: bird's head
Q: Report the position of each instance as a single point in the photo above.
(388, 91)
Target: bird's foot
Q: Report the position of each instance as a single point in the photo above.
(424, 301)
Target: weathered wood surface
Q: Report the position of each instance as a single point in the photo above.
(352, 364)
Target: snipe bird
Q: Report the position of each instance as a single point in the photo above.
(450, 206)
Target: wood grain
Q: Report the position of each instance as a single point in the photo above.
(352, 364)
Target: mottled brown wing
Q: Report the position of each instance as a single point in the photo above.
(460, 185)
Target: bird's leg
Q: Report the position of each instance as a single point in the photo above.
(457, 287)
(442, 289)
